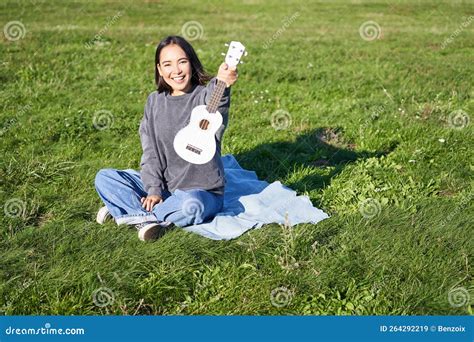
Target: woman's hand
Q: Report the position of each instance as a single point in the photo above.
(149, 202)
(227, 75)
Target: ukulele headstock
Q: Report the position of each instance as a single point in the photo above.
(234, 53)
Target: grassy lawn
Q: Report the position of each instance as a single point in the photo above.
(377, 132)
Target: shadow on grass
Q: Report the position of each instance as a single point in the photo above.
(323, 149)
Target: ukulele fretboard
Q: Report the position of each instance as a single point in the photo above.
(216, 97)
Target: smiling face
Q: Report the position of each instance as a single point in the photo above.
(175, 68)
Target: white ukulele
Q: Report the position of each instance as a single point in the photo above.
(196, 143)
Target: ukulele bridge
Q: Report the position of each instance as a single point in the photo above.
(193, 149)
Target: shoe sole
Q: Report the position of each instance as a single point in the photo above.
(153, 231)
(103, 215)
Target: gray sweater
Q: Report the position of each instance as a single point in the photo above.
(161, 167)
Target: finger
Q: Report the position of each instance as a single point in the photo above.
(224, 66)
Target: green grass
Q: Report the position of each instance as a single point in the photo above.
(371, 122)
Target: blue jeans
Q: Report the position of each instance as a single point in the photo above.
(121, 191)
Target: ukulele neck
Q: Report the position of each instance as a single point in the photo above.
(216, 97)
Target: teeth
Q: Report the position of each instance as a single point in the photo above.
(178, 78)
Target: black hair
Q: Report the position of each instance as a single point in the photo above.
(198, 75)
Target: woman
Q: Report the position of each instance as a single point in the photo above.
(169, 189)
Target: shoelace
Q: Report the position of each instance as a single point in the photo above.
(141, 225)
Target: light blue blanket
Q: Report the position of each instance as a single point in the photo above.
(251, 203)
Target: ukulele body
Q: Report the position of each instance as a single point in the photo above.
(196, 142)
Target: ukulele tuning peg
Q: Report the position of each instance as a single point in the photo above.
(223, 54)
(241, 62)
(246, 53)
(226, 44)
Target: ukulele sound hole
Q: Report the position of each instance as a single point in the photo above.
(204, 124)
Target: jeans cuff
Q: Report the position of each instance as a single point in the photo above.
(135, 219)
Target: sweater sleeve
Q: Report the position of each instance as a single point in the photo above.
(223, 107)
(151, 172)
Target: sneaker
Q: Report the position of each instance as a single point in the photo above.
(103, 215)
(148, 231)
